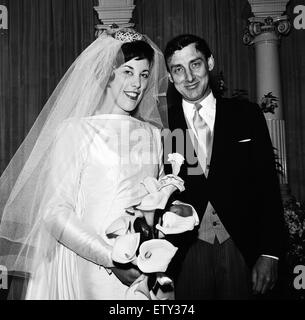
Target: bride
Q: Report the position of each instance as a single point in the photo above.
(81, 166)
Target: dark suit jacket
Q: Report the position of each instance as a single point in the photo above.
(242, 184)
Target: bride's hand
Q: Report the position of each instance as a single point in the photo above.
(126, 276)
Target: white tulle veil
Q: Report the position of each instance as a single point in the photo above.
(78, 94)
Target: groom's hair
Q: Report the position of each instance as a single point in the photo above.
(179, 42)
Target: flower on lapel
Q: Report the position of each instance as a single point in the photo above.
(176, 160)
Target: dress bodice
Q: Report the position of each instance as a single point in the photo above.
(121, 151)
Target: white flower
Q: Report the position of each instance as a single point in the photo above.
(125, 248)
(173, 180)
(157, 199)
(155, 255)
(119, 227)
(151, 184)
(174, 224)
(139, 289)
(176, 159)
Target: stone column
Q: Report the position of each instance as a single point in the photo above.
(264, 32)
(114, 13)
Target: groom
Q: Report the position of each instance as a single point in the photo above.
(233, 186)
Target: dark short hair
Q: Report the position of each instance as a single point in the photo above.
(184, 40)
(137, 49)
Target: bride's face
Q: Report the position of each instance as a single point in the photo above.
(129, 83)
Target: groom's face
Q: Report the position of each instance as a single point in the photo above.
(189, 72)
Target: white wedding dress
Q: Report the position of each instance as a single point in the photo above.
(97, 166)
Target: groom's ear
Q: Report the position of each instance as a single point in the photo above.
(170, 78)
(211, 63)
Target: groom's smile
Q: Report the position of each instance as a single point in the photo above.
(189, 71)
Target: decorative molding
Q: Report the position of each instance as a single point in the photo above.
(268, 18)
(114, 12)
(268, 8)
(258, 25)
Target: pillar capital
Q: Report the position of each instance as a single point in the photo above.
(114, 12)
(261, 28)
(268, 21)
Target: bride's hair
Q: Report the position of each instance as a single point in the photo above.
(138, 50)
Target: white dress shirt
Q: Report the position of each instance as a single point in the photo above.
(207, 112)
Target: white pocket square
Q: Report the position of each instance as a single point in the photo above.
(245, 140)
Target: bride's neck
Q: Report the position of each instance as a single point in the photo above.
(108, 105)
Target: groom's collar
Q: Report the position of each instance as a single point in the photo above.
(208, 110)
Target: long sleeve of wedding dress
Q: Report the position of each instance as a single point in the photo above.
(62, 219)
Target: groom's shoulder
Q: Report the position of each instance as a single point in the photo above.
(238, 106)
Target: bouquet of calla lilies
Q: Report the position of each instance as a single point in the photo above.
(137, 240)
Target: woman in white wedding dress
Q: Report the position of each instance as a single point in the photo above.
(81, 166)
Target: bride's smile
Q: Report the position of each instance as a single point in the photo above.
(128, 85)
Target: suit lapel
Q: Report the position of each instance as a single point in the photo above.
(223, 136)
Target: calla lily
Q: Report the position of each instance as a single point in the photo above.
(139, 289)
(125, 248)
(163, 279)
(151, 184)
(119, 227)
(173, 223)
(172, 180)
(167, 294)
(149, 217)
(153, 201)
(158, 199)
(134, 212)
(155, 255)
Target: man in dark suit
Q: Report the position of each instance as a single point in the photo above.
(233, 186)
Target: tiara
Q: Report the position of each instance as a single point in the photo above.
(128, 35)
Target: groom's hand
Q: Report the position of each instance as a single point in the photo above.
(264, 274)
(126, 276)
